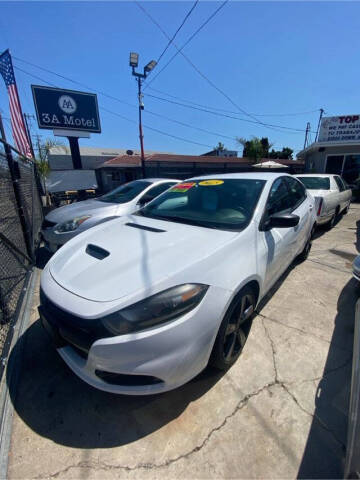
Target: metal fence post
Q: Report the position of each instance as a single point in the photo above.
(15, 175)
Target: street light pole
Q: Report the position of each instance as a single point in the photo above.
(141, 136)
(134, 57)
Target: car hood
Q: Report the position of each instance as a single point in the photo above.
(87, 207)
(138, 259)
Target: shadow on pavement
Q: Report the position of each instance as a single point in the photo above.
(42, 257)
(325, 448)
(56, 404)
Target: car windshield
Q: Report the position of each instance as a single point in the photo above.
(315, 183)
(125, 193)
(222, 204)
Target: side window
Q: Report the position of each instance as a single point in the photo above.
(157, 190)
(279, 197)
(339, 183)
(297, 192)
(346, 186)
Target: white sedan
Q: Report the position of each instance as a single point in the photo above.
(142, 304)
(64, 223)
(332, 196)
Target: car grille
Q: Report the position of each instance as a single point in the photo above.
(77, 332)
(47, 224)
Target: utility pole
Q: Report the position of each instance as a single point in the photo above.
(134, 60)
(306, 134)
(38, 137)
(27, 120)
(141, 136)
(319, 123)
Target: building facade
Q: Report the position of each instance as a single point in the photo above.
(125, 168)
(337, 149)
(341, 159)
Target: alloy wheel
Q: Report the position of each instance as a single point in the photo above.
(238, 328)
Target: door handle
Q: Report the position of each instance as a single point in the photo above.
(311, 207)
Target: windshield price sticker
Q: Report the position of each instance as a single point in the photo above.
(183, 187)
(209, 183)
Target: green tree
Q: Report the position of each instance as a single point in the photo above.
(256, 148)
(285, 154)
(220, 146)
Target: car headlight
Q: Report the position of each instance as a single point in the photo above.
(71, 225)
(155, 310)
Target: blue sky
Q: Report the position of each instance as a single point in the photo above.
(269, 57)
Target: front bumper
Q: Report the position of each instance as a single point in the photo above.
(161, 359)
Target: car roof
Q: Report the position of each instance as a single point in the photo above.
(320, 175)
(155, 180)
(244, 175)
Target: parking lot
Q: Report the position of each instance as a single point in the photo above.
(281, 411)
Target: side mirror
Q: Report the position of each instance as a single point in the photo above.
(281, 220)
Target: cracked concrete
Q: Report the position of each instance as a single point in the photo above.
(279, 412)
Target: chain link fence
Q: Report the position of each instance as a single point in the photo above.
(20, 222)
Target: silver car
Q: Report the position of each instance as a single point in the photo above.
(66, 222)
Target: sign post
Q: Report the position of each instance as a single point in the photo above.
(69, 113)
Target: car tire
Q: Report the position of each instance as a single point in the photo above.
(234, 330)
(346, 210)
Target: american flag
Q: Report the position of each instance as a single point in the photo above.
(17, 121)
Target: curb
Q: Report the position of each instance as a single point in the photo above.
(6, 406)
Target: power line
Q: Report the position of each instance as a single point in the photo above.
(129, 104)
(179, 50)
(231, 111)
(205, 109)
(149, 111)
(68, 79)
(153, 113)
(297, 130)
(190, 126)
(34, 76)
(187, 41)
(156, 130)
(178, 30)
(199, 72)
(128, 119)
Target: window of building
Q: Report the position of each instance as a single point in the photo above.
(334, 164)
(351, 172)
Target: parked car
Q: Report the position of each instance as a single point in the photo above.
(141, 304)
(332, 196)
(356, 268)
(64, 223)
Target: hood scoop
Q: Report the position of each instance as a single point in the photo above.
(144, 227)
(96, 252)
